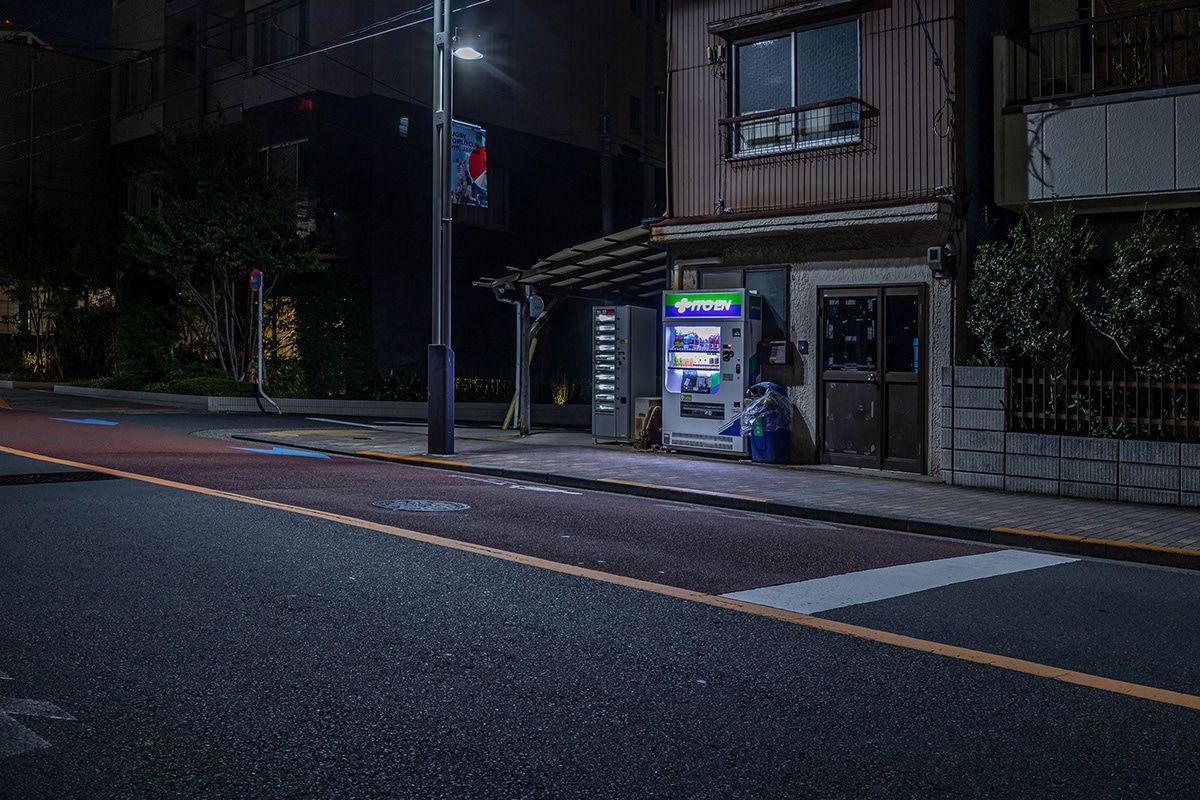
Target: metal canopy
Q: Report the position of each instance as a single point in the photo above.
(622, 263)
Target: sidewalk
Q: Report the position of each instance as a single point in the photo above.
(1162, 535)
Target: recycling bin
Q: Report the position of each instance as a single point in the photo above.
(768, 415)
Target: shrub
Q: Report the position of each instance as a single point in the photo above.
(213, 387)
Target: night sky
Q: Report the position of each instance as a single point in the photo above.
(79, 27)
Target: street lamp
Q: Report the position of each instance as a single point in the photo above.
(441, 355)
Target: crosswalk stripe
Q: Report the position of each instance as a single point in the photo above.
(868, 586)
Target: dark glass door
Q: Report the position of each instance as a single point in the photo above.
(871, 394)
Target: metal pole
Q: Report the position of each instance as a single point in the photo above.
(262, 369)
(441, 355)
(526, 339)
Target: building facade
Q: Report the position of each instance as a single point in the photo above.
(569, 94)
(1097, 105)
(819, 155)
(53, 137)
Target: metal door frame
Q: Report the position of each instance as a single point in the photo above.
(880, 377)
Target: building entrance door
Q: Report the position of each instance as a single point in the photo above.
(872, 394)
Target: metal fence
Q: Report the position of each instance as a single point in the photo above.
(1114, 53)
(800, 130)
(1121, 405)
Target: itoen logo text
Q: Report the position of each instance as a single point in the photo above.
(686, 306)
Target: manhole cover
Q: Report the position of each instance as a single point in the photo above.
(420, 505)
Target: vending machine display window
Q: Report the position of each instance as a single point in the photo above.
(694, 359)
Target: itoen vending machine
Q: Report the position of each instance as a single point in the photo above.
(623, 363)
(710, 360)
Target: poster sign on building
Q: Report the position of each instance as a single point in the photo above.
(469, 154)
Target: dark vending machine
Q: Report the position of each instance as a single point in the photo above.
(624, 357)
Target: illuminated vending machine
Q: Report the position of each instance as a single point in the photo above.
(710, 360)
(624, 368)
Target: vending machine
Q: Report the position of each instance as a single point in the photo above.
(711, 358)
(624, 368)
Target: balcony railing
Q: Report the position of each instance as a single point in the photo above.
(1127, 52)
(833, 123)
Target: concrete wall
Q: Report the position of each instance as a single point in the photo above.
(979, 451)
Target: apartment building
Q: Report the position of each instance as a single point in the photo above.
(1097, 105)
(822, 154)
(571, 95)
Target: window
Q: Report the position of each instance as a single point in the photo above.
(787, 90)
(139, 85)
(227, 41)
(8, 316)
(635, 114)
(137, 198)
(770, 284)
(281, 31)
(286, 162)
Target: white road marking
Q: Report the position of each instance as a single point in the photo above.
(15, 738)
(341, 422)
(754, 516)
(868, 586)
(510, 485)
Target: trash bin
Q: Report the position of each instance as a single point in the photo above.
(768, 416)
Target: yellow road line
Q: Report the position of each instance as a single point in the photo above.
(689, 491)
(830, 626)
(1154, 548)
(411, 459)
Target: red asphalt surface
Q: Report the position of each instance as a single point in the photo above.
(698, 548)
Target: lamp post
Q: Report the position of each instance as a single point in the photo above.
(441, 354)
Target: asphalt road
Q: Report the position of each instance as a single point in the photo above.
(161, 641)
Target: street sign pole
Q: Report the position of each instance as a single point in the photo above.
(256, 281)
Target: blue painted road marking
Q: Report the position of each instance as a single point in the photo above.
(84, 421)
(280, 451)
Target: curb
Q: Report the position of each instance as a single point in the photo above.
(1065, 544)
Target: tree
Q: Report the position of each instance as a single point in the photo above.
(1149, 303)
(1023, 291)
(64, 297)
(219, 216)
(33, 260)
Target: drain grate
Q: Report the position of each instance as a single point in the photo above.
(420, 505)
(29, 479)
